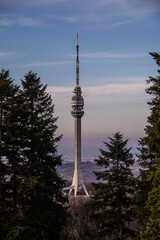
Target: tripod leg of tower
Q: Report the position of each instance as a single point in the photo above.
(75, 190)
(85, 190)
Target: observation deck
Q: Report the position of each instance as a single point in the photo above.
(77, 103)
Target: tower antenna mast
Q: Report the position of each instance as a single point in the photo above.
(77, 63)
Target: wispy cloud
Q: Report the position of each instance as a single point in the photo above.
(116, 13)
(59, 90)
(123, 3)
(98, 92)
(6, 20)
(43, 64)
(43, 21)
(31, 2)
(3, 54)
(94, 55)
(129, 7)
(105, 14)
(116, 90)
(68, 19)
(110, 20)
(115, 24)
(50, 21)
(28, 21)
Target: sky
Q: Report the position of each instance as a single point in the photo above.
(115, 38)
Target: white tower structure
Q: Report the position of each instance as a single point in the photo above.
(77, 112)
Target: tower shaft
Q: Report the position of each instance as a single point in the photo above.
(77, 183)
(77, 149)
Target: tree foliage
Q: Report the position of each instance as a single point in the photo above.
(148, 183)
(9, 157)
(147, 162)
(112, 204)
(33, 191)
(153, 129)
(152, 229)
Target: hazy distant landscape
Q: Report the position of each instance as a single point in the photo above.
(88, 167)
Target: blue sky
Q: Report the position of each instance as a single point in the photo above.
(115, 37)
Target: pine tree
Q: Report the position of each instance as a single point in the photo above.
(40, 194)
(112, 204)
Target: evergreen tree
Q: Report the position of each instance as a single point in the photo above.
(152, 230)
(40, 194)
(8, 155)
(147, 164)
(112, 204)
(152, 142)
(153, 129)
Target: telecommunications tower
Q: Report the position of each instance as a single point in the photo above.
(77, 112)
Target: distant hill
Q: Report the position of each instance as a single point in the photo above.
(67, 168)
(66, 171)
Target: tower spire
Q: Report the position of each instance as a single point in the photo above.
(77, 63)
